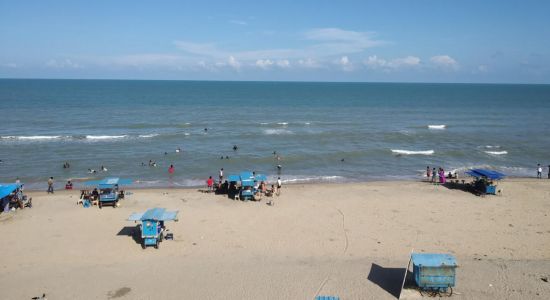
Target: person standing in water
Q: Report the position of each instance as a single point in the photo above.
(428, 172)
(171, 169)
(539, 171)
(221, 174)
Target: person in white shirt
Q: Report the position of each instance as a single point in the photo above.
(221, 174)
(539, 172)
(279, 184)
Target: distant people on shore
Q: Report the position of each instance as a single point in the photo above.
(171, 169)
(279, 185)
(66, 165)
(539, 171)
(50, 185)
(69, 185)
(235, 147)
(221, 174)
(434, 174)
(428, 172)
(548, 171)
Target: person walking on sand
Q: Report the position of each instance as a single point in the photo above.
(171, 169)
(539, 171)
(50, 185)
(279, 185)
(548, 171)
(428, 172)
(221, 174)
(433, 175)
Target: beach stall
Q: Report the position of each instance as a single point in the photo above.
(247, 181)
(11, 196)
(485, 180)
(109, 190)
(152, 225)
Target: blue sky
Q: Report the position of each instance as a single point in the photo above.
(408, 40)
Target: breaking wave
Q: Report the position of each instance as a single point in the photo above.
(437, 127)
(277, 131)
(409, 152)
(496, 152)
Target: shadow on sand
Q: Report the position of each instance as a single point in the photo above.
(389, 279)
(132, 231)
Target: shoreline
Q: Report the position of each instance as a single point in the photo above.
(308, 183)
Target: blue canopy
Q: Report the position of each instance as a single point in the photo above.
(247, 182)
(246, 175)
(109, 182)
(6, 189)
(234, 178)
(154, 214)
(494, 175)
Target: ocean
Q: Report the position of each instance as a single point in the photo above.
(322, 132)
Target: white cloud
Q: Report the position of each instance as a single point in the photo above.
(238, 22)
(345, 63)
(444, 62)
(309, 63)
(284, 63)
(62, 64)
(234, 63)
(148, 60)
(264, 63)
(374, 62)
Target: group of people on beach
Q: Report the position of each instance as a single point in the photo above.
(438, 176)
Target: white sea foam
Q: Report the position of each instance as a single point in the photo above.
(105, 137)
(496, 152)
(282, 123)
(148, 135)
(186, 133)
(437, 127)
(264, 123)
(277, 131)
(32, 137)
(307, 123)
(409, 152)
(491, 147)
(304, 179)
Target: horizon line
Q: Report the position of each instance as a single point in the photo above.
(273, 81)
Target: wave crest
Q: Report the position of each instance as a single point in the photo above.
(409, 152)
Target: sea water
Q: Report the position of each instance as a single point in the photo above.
(321, 132)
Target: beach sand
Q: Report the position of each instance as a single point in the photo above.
(350, 240)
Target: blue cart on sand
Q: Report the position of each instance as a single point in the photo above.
(247, 181)
(485, 180)
(109, 190)
(434, 272)
(152, 225)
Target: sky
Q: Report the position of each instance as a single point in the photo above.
(486, 41)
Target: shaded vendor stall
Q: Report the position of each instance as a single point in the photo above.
(486, 181)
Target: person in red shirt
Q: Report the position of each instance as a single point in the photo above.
(210, 183)
(171, 169)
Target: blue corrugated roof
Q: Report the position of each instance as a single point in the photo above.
(486, 173)
(433, 259)
(6, 189)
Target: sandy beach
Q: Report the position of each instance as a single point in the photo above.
(350, 240)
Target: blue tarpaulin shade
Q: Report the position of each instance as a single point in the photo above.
(6, 189)
(246, 175)
(234, 178)
(154, 214)
(494, 175)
